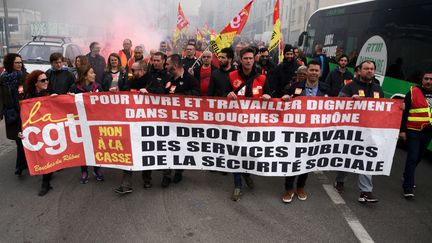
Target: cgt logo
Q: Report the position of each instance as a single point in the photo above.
(51, 137)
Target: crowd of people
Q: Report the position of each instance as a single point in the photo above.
(243, 70)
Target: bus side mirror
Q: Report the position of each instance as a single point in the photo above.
(301, 38)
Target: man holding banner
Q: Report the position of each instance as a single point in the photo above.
(308, 87)
(359, 88)
(181, 83)
(145, 84)
(246, 82)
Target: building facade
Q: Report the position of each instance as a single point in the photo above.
(294, 15)
(20, 24)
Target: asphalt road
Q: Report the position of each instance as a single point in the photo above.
(199, 209)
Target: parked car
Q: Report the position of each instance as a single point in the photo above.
(36, 53)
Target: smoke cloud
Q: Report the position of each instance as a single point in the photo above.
(109, 22)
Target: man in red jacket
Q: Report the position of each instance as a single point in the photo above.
(246, 82)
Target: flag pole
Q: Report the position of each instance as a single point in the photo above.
(196, 61)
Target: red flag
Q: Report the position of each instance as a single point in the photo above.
(182, 22)
(235, 27)
(181, 19)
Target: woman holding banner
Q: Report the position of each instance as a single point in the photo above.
(86, 83)
(37, 86)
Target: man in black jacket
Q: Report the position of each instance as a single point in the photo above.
(267, 66)
(339, 77)
(60, 79)
(97, 62)
(219, 81)
(284, 72)
(361, 87)
(190, 58)
(181, 83)
(157, 69)
(143, 82)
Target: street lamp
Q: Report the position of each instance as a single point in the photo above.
(6, 27)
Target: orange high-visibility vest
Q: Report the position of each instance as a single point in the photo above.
(257, 85)
(419, 115)
(123, 58)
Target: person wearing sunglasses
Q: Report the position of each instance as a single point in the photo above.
(267, 66)
(145, 83)
(37, 86)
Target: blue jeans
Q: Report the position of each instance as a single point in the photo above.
(238, 179)
(301, 181)
(417, 142)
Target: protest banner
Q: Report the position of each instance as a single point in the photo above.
(132, 131)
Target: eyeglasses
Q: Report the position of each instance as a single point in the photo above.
(43, 80)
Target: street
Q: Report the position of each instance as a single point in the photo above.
(199, 208)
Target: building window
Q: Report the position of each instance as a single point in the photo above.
(13, 24)
(300, 13)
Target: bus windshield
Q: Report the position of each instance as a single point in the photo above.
(396, 34)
